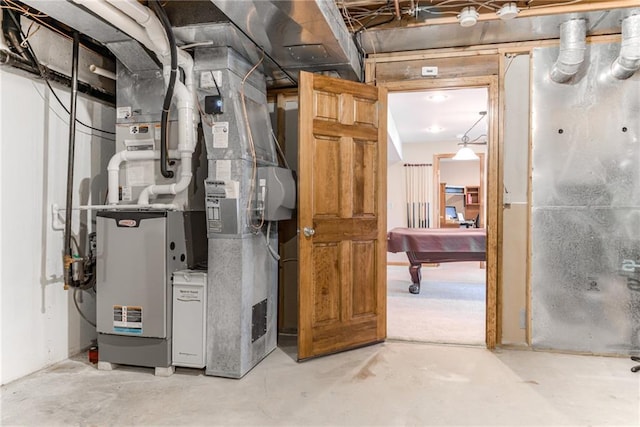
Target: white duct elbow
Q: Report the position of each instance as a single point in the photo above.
(573, 44)
(628, 62)
(147, 20)
(113, 168)
(176, 188)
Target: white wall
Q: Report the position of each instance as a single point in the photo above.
(39, 324)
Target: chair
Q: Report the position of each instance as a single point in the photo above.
(637, 367)
(476, 223)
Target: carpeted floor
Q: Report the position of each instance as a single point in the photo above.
(449, 309)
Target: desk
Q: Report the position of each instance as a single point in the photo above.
(436, 245)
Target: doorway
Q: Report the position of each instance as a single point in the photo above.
(452, 304)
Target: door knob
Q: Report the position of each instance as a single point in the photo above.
(308, 231)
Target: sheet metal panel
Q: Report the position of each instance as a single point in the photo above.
(586, 207)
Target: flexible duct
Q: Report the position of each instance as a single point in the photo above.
(573, 44)
(628, 62)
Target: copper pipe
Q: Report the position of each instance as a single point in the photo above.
(398, 9)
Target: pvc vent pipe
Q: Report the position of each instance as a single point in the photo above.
(628, 62)
(573, 43)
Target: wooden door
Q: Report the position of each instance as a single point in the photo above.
(342, 215)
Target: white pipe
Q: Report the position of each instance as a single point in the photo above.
(119, 19)
(148, 30)
(573, 44)
(102, 72)
(628, 62)
(113, 168)
(178, 187)
(160, 206)
(148, 20)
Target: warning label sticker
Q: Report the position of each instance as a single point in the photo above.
(127, 319)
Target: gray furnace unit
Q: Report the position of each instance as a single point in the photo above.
(137, 252)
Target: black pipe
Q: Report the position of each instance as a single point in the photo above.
(13, 60)
(68, 258)
(164, 146)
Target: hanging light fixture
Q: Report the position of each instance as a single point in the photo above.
(466, 153)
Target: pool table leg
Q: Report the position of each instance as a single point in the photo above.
(416, 277)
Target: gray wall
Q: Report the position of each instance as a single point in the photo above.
(586, 207)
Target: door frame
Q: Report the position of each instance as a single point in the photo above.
(437, 158)
(493, 221)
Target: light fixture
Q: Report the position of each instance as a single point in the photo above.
(468, 16)
(508, 11)
(437, 97)
(466, 153)
(434, 129)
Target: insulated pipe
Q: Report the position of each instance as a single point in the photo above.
(113, 168)
(573, 44)
(68, 256)
(628, 62)
(178, 187)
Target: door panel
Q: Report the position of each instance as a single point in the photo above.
(342, 217)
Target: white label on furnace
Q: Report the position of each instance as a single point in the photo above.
(126, 193)
(231, 189)
(123, 112)
(206, 79)
(223, 170)
(221, 135)
(140, 173)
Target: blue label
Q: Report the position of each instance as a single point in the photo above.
(137, 331)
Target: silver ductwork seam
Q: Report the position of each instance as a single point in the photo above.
(573, 44)
(628, 62)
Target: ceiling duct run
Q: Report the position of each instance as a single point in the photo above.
(294, 35)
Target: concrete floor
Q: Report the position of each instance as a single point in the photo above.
(394, 383)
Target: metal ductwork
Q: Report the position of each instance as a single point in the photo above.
(297, 35)
(294, 35)
(573, 44)
(628, 62)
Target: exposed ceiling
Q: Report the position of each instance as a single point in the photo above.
(443, 115)
(360, 14)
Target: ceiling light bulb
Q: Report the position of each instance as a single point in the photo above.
(468, 17)
(508, 11)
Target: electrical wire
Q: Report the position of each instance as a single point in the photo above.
(272, 251)
(75, 302)
(254, 163)
(46, 79)
(279, 150)
(66, 122)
